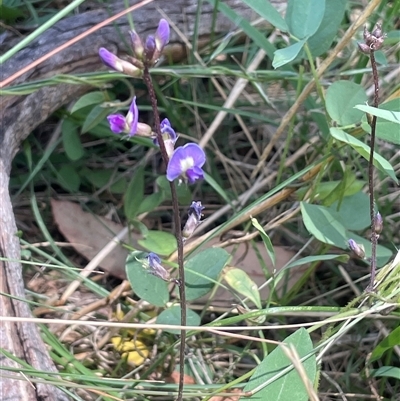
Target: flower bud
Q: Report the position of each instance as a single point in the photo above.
(367, 35)
(155, 268)
(117, 64)
(377, 32)
(137, 45)
(364, 48)
(378, 223)
(169, 136)
(144, 130)
(357, 249)
(194, 219)
(162, 35)
(149, 49)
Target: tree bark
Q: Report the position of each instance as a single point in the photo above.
(21, 114)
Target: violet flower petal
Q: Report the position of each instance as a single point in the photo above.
(196, 208)
(153, 258)
(109, 59)
(132, 118)
(162, 34)
(174, 169)
(169, 136)
(194, 174)
(166, 128)
(117, 123)
(150, 47)
(196, 152)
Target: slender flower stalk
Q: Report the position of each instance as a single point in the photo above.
(185, 162)
(373, 41)
(177, 226)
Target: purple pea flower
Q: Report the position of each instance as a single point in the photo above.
(117, 64)
(187, 162)
(128, 124)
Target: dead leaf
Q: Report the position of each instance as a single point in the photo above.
(174, 378)
(88, 234)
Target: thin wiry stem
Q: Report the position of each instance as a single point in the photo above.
(374, 236)
(177, 223)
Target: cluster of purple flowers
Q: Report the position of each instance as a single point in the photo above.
(184, 162)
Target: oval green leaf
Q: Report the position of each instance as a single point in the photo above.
(71, 140)
(321, 41)
(389, 342)
(172, 316)
(320, 223)
(159, 242)
(151, 201)
(389, 115)
(386, 371)
(364, 150)
(68, 178)
(341, 98)
(289, 386)
(94, 118)
(352, 211)
(385, 129)
(286, 55)
(202, 271)
(89, 99)
(146, 286)
(304, 17)
(266, 240)
(244, 285)
(266, 10)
